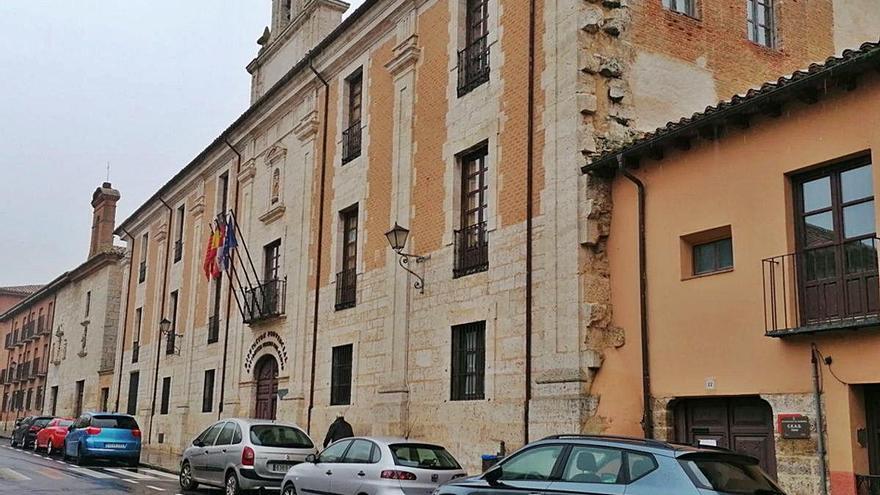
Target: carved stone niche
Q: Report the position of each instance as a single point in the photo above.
(275, 164)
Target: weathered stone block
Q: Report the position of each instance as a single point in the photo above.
(592, 19)
(586, 103)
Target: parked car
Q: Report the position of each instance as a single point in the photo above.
(17, 430)
(386, 466)
(244, 454)
(616, 466)
(52, 436)
(103, 436)
(26, 432)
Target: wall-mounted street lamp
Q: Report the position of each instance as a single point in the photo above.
(165, 330)
(397, 237)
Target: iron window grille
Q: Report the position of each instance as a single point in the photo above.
(340, 375)
(265, 301)
(351, 142)
(471, 250)
(471, 244)
(346, 289)
(473, 66)
(468, 361)
(761, 22)
(351, 137)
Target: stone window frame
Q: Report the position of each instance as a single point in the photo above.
(362, 65)
(453, 185)
(771, 27)
(690, 8)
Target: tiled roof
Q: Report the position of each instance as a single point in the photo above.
(20, 290)
(809, 85)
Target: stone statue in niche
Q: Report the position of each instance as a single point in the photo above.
(276, 186)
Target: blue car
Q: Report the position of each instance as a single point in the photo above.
(106, 436)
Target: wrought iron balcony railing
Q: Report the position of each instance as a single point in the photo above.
(867, 484)
(35, 368)
(142, 271)
(473, 66)
(822, 288)
(471, 250)
(346, 289)
(9, 343)
(264, 301)
(351, 142)
(135, 351)
(213, 328)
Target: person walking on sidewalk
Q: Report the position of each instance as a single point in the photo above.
(338, 430)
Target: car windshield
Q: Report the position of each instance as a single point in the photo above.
(423, 456)
(280, 436)
(121, 422)
(728, 474)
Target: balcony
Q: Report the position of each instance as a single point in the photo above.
(265, 301)
(30, 331)
(351, 142)
(473, 66)
(346, 289)
(471, 250)
(9, 342)
(35, 368)
(178, 250)
(867, 484)
(822, 289)
(135, 351)
(213, 328)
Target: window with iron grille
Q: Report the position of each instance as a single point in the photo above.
(346, 280)
(166, 395)
(351, 137)
(468, 361)
(473, 60)
(686, 7)
(178, 240)
(271, 260)
(208, 392)
(133, 384)
(761, 22)
(471, 243)
(171, 338)
(340, 375)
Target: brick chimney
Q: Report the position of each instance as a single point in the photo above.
(103, 218)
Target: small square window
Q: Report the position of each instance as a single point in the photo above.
(713, 256)
(686, 7)
(706, 252)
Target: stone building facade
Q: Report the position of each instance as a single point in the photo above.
(420, 114)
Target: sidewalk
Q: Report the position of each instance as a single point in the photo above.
(163, 461)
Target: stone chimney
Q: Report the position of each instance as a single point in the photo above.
(103, 218)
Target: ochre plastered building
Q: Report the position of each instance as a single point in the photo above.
(426, 114)
(761, 270)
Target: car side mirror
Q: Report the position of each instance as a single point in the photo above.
(312, 458)
(493, 476)
(198, 443)
(71, 428)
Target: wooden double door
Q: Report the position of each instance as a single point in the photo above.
(743, 424)
(267, 388)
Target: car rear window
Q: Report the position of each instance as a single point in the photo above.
(728, 474)
(422, 456)
(65, 422)
(42, 422)
(121, 422)
(285, 437)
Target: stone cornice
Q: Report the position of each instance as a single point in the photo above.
(307, 127)
(273, 214)
(248, 172)
(406, 55)
(275, 154)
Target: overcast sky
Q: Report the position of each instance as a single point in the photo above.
(142, 84)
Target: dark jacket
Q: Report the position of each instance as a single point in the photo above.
(338, 430)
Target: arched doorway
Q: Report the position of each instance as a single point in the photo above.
(266, 372)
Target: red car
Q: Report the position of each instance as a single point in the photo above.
(52, 436)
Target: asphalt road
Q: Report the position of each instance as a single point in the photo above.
(23, 472)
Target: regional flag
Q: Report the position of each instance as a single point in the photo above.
(210, 254)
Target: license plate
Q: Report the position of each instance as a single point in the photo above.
(114, 445)
(279, 467)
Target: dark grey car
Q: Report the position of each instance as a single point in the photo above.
(602, 465)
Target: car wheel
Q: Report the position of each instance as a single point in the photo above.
(80, 457)
(232, 487)
(49, 448)
(12, 441)
(288, 489)
(186, 477)
(36, 446)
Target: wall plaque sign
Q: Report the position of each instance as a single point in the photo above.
(795, 427)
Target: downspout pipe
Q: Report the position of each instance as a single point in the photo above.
(161, 315)
(530, 149)
(229, 291)
(45, 363)
(124, 323)
(318, 251)
(647, 409)
(820, 420)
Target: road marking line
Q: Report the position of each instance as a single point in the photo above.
(159, 473)
(9, 475)
(156, 488)
(51, 473)
(93, 474)
(133, 474)
(130, 481)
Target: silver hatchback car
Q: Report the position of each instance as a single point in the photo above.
(244, 454)
(374, 466)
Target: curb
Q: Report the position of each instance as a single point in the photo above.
(159, 468)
